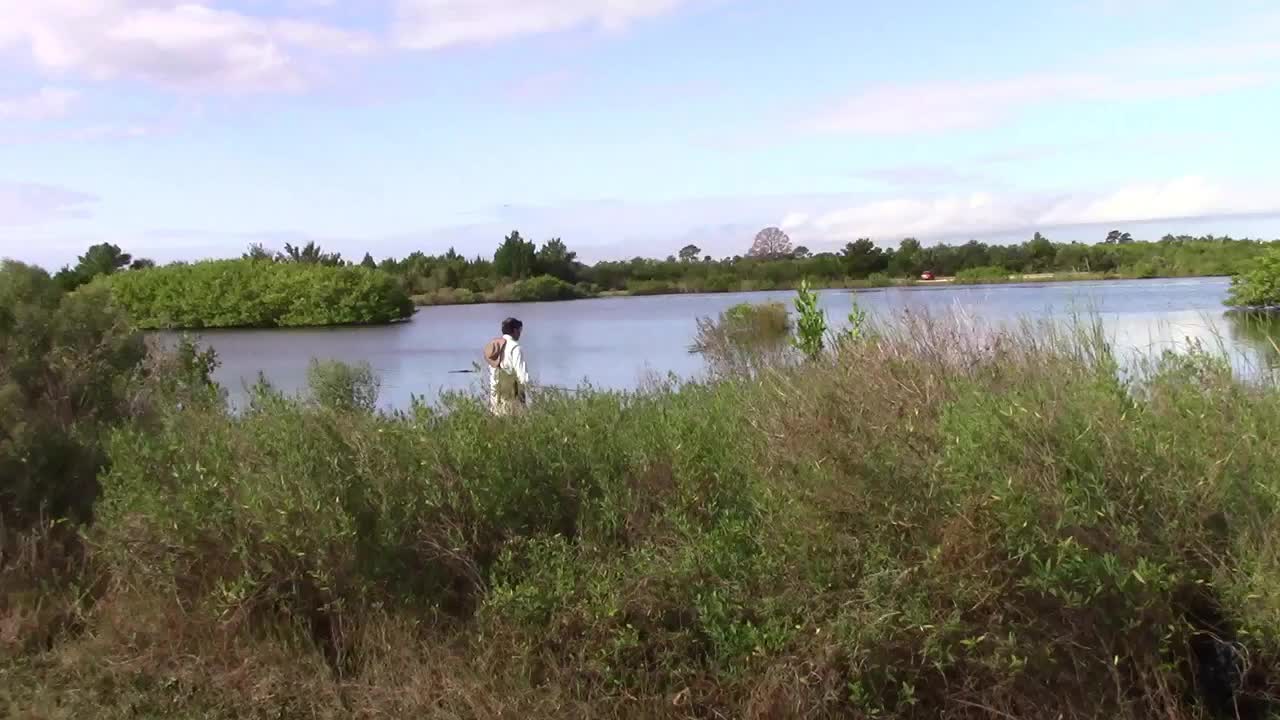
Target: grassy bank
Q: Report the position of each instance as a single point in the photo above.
(926, 524)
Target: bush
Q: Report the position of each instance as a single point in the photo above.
(339, 386)
(544, 288)
(1259, 286)
(652, 287)
(249, 293)
(449, 296)
(743, 338)
(811, 330)
(69, 365)
(982, 275)
(932, 523)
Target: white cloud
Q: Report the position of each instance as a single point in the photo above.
(942, 106)
(981, 213)
(432, 24)
(45, 104)
(33, 204)
(190, 45)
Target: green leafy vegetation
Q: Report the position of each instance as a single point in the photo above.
(67, 364)
(1259, 285)
(915, 523)
(811, 324)
(773, 265)
(743, 338)
(256, 293)
(983, 275)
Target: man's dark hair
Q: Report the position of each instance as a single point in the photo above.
(510, 326)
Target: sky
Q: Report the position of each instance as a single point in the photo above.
(183, 129)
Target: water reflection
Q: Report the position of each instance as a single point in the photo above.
(1260, 332)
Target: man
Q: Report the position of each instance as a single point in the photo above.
(508, 376)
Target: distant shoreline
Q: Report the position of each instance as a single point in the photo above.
(1013, 279)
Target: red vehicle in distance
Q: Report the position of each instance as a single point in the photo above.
(927, 275)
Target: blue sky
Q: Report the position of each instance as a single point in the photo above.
(190, 128)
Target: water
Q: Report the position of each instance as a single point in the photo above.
(622, 342)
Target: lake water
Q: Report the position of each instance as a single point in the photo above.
(619, 342)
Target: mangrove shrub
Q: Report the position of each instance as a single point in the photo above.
(1259, 286)
(252, 293)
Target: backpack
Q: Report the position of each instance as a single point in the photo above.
(493, 351)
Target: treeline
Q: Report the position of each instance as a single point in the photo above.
(452, 278)
(307, 285)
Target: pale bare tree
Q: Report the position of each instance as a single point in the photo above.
(771, 242)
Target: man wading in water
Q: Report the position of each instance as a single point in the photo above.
(508, 376)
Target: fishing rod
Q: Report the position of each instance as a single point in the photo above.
(538, 387)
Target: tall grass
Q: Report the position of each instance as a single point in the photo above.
(923, 522)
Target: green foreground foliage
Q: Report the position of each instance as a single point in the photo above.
(916, 524)
(257, 294)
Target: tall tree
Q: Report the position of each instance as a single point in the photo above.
(862, 258)
(908, 260)
(258, 251)
(369, 262)
(689, 253)
(771, 243)
(555, 259)
(801, 253)
(515, 258)
(310, 254)
(1041, 253)
(100, 259)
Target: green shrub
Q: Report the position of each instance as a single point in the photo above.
(249, 293)
(544, 288)
(743, 337)
(1259, 286)
(982, 275)
(69, 369)
(811, 328)
(340, 386)
(651, 287)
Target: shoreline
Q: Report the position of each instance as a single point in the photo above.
(1037, 278)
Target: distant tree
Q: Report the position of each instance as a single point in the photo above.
(771, 242)
(862, 258)
(1072, 257)
(1115, 237)
(707, 258)
(908, 260)
(689, 253)
(310, 254)
(801, 253)
(100, 259)
(1041, 253)
(142, 264)
(257, 251)
(555, 259)
(369, 262)
(515, 258)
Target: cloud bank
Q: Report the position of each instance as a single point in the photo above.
(177, 43)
